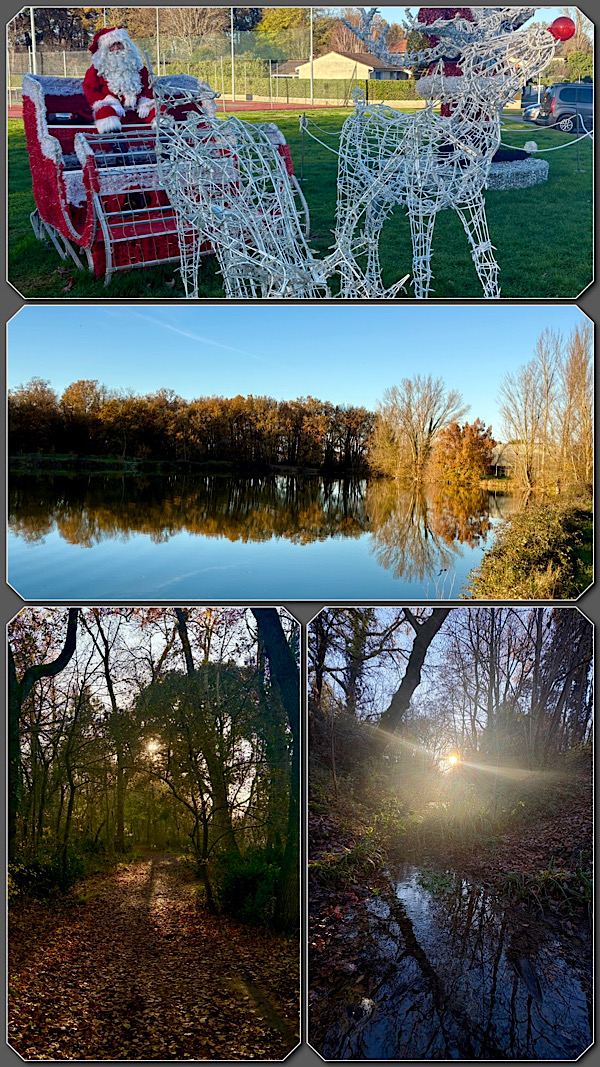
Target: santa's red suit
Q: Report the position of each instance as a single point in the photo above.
(117, 86)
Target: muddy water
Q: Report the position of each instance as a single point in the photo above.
(449, 975)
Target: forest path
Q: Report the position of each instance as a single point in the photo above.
(137, 971)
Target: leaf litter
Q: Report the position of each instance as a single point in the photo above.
(139, 971)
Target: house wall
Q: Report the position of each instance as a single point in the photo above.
(334, 66)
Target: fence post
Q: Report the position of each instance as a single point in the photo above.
(33, 54)
(157, 42)
(270, 87)
(312, 73)
(65, 63)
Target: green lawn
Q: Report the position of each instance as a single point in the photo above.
(543, 235)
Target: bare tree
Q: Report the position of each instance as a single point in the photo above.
(576, 407)
(425, 631)
(547, 409)
(410, 417)
(581, 41)
(521, 408)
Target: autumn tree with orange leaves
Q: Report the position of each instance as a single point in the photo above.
(464, 453)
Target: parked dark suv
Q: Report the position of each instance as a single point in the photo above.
(568, 106)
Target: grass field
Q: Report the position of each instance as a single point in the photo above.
(543, 235)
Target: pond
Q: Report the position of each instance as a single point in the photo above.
(451, 975)
(277, 536)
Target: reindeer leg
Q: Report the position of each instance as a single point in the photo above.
(473, 217)
(421, 231)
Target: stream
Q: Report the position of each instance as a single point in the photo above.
(451, 975)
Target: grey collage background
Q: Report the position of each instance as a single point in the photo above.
(10, 602)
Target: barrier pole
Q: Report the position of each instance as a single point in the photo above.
(232, 60)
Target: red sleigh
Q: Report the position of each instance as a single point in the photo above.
(99, 195)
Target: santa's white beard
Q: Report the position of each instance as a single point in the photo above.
(122, 73)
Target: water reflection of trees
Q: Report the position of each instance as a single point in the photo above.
(461, 979)
(417, 532)
(88, 510)
(415, 535)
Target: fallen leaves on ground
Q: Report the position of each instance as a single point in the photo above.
(138, 971)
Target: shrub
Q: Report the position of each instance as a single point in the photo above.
(43, 877)
(535, 557)
(393, 90)
(247, 885)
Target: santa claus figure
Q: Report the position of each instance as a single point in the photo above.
(117, 86)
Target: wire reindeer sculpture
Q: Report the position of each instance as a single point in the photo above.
(229, 184)
(478, 60)
(232, 189)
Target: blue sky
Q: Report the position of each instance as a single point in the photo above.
(346, 353)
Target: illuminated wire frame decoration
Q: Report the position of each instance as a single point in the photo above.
(232, 188)
(478, 59)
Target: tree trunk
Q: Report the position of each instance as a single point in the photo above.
(425, 632)
(286, 678)
(18, 691)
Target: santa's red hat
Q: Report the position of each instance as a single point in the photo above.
(109, 35)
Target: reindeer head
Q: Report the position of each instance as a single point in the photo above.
(480, 52)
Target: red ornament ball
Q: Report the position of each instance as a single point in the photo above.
(562, 28)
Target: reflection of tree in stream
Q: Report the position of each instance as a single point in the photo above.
(417, 534)
(453, 977)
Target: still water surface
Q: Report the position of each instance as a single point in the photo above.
(275, 537)
(453, 976)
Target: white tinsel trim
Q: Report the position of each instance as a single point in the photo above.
(113, 181)
(452, 86)
(111, 124)
(53, 85)
(49, 145)
(530, 146)
(82, 148)
(109, 101)
(273, 133)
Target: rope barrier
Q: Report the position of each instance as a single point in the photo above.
(556, 148)
(313, 123)
(304, 126)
